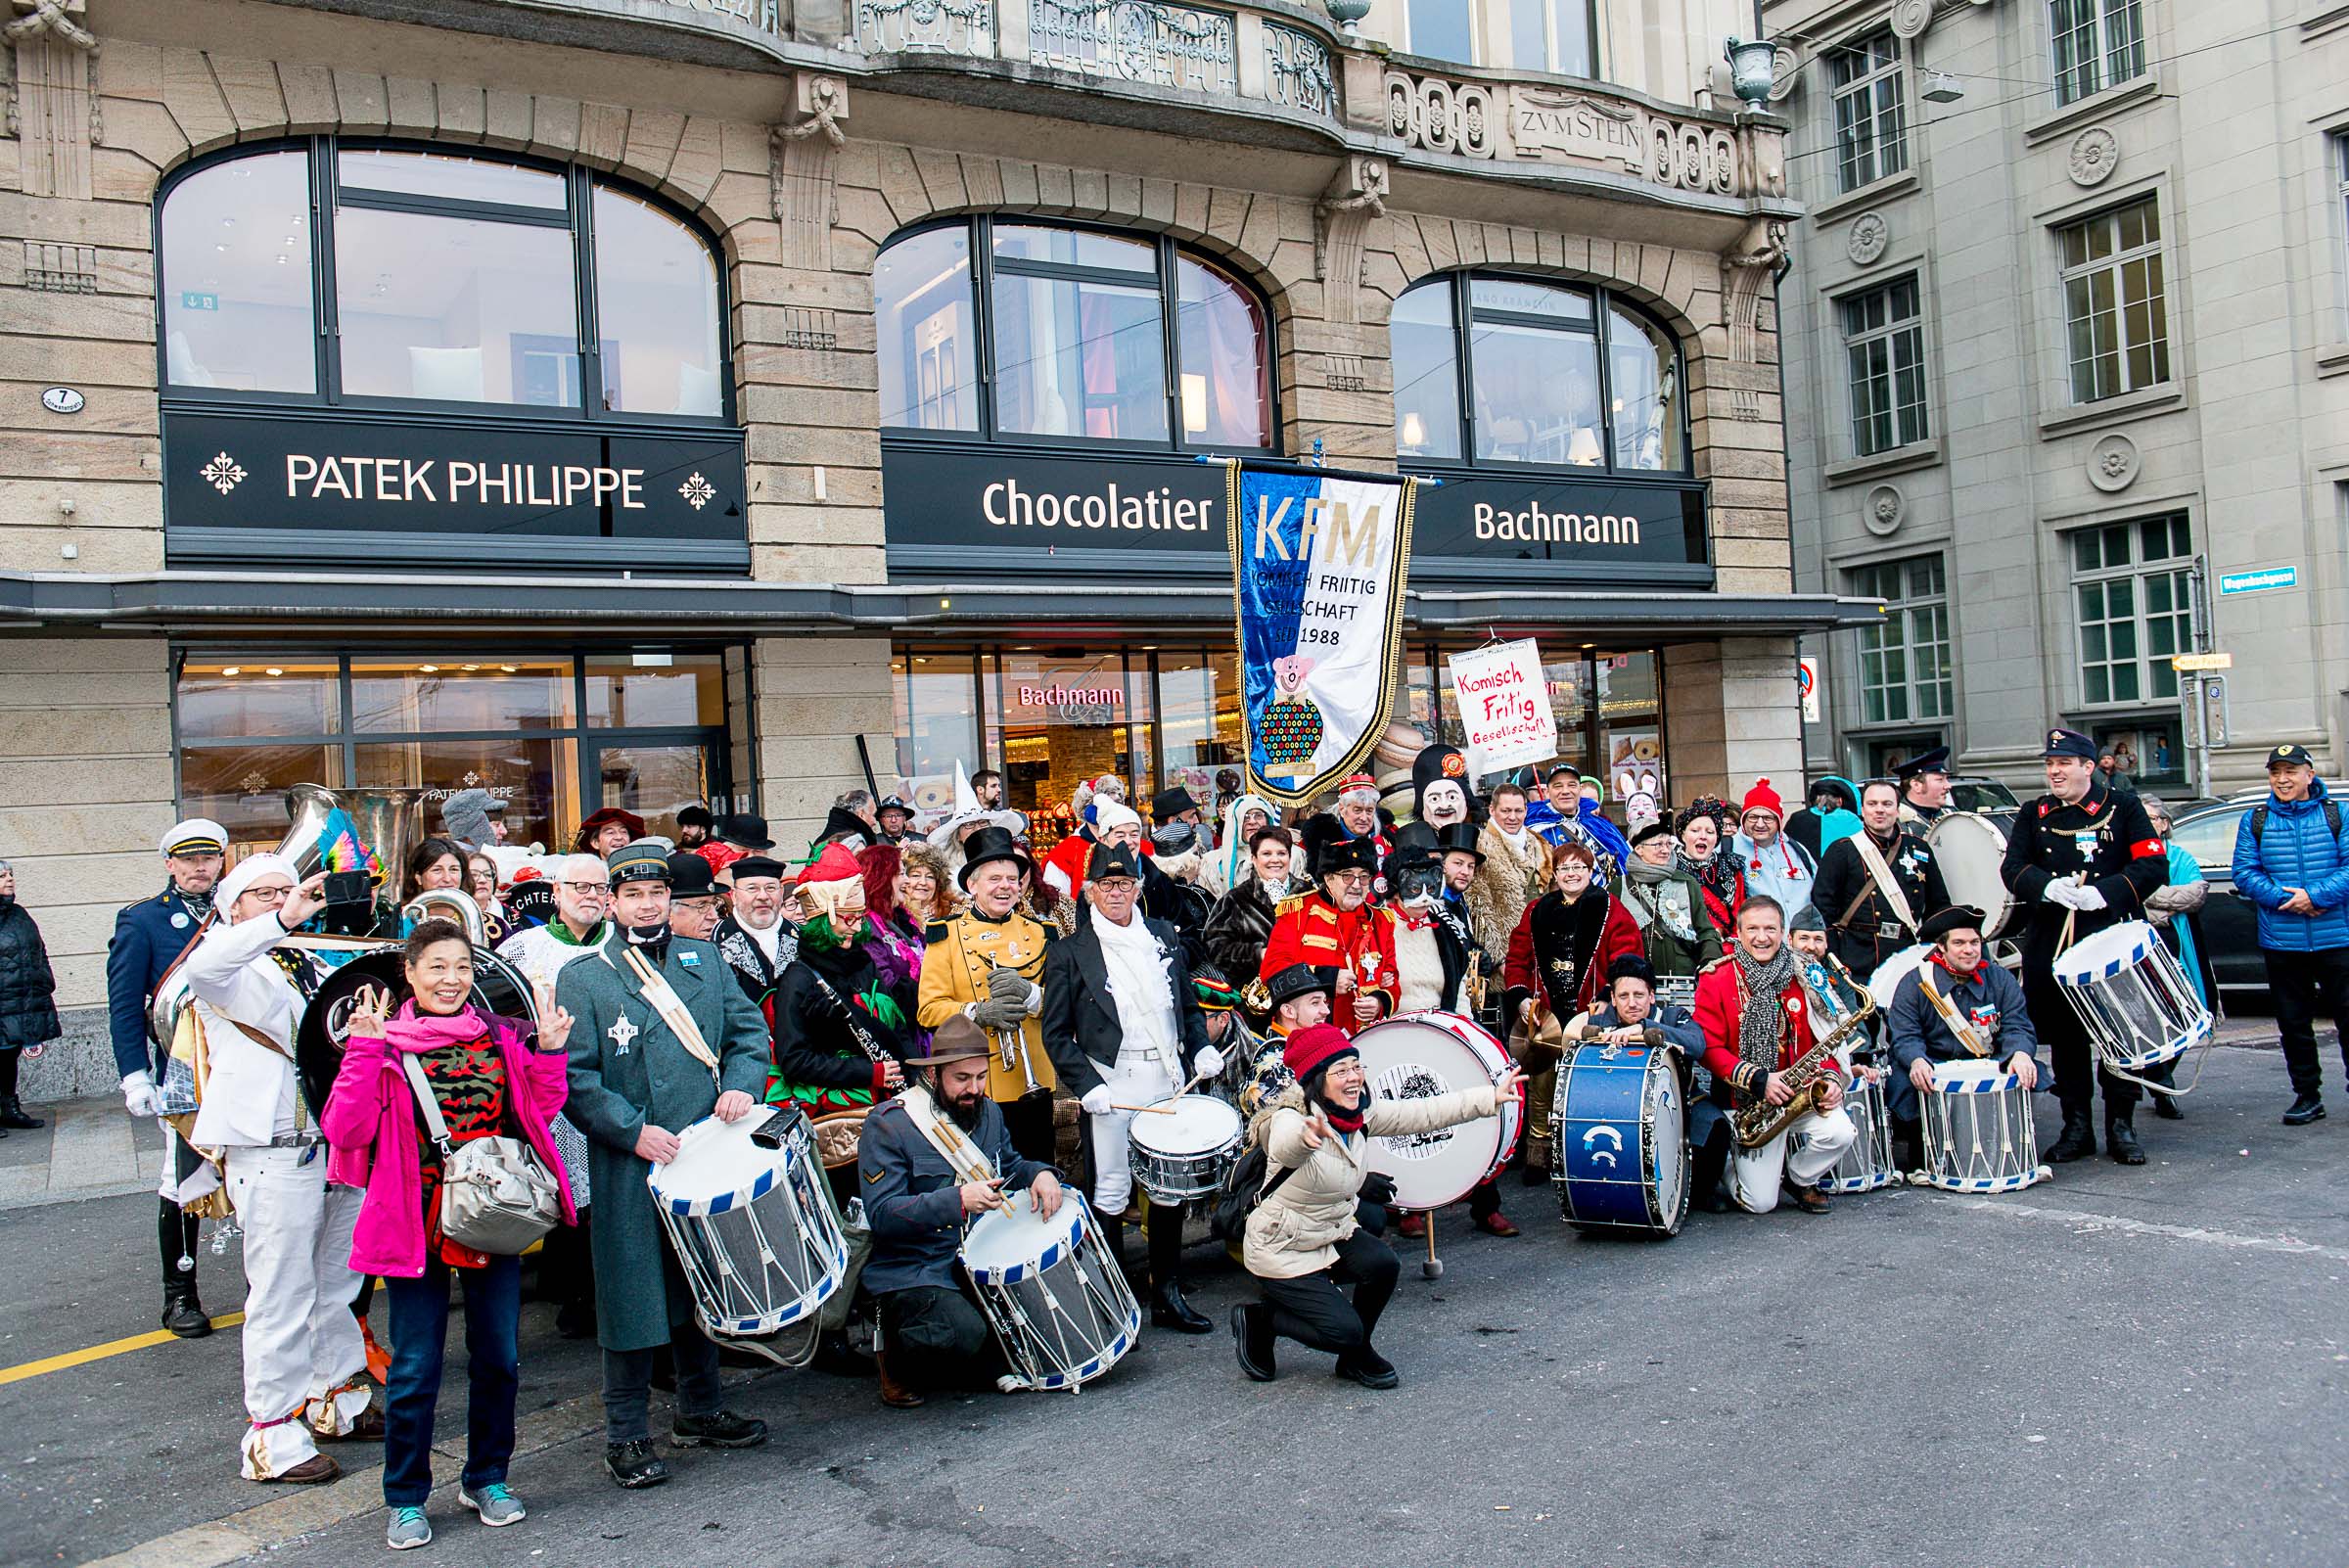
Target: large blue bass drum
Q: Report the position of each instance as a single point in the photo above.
(1622, 1160)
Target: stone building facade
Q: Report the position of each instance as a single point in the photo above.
(695, 554)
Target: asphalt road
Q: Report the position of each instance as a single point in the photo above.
(2117, 1367)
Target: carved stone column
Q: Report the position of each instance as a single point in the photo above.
(806, 160)
(53, 111)
(1745, 269)
(1340, 219)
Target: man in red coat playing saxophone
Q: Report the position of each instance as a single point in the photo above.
(1339, 933)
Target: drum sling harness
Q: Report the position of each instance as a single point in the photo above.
(1879, 872)
(671, 1007)
(963, 1157)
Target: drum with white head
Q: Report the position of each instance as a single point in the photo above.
(1423, 1054)
(1051, 1290)
(1181, 1147)
(1978, 1129)
(1868, 1163)
(755, 1228)
(1971, 850)
(2134, 998)
(1886, 980)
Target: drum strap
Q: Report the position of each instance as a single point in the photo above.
(672, 1010)
(1950, 1015)
(1880, 871)
(963, 1157)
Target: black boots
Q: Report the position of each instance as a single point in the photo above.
(1168, 1309)
(175, 1241)
(12, 1115)
(1252, 1340)
(2306, 1108)
(2120, 1140)
(2078, 1139)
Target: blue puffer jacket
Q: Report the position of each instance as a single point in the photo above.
(2297, 850)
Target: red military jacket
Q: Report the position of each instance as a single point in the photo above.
(1312, 931)
(1721, 1001)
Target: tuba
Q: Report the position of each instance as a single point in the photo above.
(447, 904)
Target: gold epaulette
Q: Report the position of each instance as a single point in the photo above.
(1290, 904)
(1715, 964)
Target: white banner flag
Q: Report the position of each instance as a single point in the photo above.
(1505, 706)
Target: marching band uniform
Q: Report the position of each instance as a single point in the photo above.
(634, 1063)
(149, 937)
(1989, 998)
(1327, 831)
(1748, 1036)
(958, 963)
(304, 1361)
(1312, 931)
(1866, 925)
(1123, 1025)
(2100, 847)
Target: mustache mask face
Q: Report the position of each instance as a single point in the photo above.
(1443, 804)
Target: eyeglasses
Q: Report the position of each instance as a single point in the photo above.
(1351, 879)
(581, 888)
(271, 894)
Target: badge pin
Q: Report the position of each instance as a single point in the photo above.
(621, 1033)
(691, 960)
(179, 920)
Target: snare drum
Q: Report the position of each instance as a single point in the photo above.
(2133, 997)
(1622, 1160)
(755, 1228)
(1971, 849)
(1423, 1054)
(1051, 1290)
(1868, 1163)
(1181, 1147)
(1979, 1134)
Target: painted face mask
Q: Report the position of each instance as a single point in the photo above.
(1444, 804)
(1419, 885)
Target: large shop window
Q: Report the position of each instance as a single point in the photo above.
(555, 736)
(340, 320)
(1546, 375)
(1066, 335)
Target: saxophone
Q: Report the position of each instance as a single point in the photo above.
(1756, 1123)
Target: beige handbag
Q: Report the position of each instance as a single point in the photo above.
(496, 1196)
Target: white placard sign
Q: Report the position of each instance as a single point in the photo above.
(1505, 706)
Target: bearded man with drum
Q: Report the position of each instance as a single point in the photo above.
(1984, 1006)
(934, 1157)
(1875, 886)
(2082, 858)
(1123, 1025)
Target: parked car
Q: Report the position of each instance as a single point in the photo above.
(1986, 795)
(2230, 925)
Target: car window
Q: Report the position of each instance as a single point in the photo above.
(2210, 839)
(1983, 796)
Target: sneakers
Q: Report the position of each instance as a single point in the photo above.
(1012, 1383)
(634, 1465)
(2306, 1108)
(408, 1530)
(719, 1429)
(494, 1503)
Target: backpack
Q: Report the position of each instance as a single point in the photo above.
(1242, 1190)
(2259, 821)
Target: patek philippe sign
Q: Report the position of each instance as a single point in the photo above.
(402, 476)
(978, 508)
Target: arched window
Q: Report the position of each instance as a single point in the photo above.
(1546, 375)
(1069, 334)
(421, 277)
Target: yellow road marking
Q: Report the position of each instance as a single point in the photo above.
(99, 1353)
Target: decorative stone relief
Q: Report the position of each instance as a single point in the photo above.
(2113, 462)
(1911, 17)
(1885, 508)
(55, 267)
(54, 110)
(803, 164)
(1786, 71)
(1870, 236)
(1340, 220)
(1344, 372)
(1744, 271)
(2095, 154)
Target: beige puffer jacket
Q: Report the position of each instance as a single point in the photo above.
(1296, 1231)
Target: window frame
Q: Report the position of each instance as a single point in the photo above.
(1891, 335)
(1166, 253)
(576, 216)
(1886, 155)
(2137, 571)
(2068, 273)
(1901, 613)
(2098, 27)
(1460, 284)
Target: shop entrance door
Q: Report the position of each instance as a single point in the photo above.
(654, 773)
(1066, 717)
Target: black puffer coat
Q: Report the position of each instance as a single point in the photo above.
(27, 1010)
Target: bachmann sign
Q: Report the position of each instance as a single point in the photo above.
(975, 509)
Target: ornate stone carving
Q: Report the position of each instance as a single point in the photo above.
(1340, 219)
(1870, 236)
(1786, 71)
(1550, 124)
(1442, 117)
(1744, 271)
(803, 163)
(54, 110)
(1911, 17)
(2113, 462)
(1885, 508)
(2095, 154)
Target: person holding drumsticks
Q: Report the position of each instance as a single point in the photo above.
(1981, 999)
(2082, 858)
(1630, 1015)
(931, 1160)
(661, 1037)
(1303, 1238)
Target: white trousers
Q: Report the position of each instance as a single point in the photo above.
(1755, 1172)
(1137, 1079)
(302, 1350)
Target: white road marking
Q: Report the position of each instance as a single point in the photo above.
(2085, 1221)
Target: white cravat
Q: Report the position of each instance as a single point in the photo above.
(1141, 989)
(769, 941)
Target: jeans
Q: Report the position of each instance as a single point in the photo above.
(413, 1390)
(629, 1383)
(2301, 981)
(1313, 1312)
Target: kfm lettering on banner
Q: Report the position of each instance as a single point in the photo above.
(1504, 699)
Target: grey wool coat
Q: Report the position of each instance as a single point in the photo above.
(627, 1069)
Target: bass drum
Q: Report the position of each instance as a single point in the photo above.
(497, 987)
(1971, 849)
(1424, 1054)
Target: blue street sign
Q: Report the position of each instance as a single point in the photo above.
(2259, 581)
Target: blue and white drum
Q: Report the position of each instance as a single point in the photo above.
(1622, 1147)
(755, 1228)
(1979, 1133)
(2133, 997)
(1051, 1290)
(1868, 1163)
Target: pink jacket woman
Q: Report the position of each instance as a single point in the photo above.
(370, 1127)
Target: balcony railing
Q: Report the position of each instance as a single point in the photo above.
(764, 15)
(1146, 41)
(1298, 71)
(919, 26)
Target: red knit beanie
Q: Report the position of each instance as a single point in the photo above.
(1762, 798)
(1310, 1050)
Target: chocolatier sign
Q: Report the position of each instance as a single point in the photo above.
(971, 509)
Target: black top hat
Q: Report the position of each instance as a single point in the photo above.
(991, 843)
(1460, 837)
(748, 830)
(1113, 860)
(690, 876)
(1167, 805)
(1298, 980)
(1347, 855)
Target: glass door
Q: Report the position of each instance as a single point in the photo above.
(654, 774)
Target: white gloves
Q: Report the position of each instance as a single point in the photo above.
(1097, 1100)
(140, 1096)
(1208, 1063)
(2075, 896)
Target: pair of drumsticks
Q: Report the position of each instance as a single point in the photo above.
(1164, 1110)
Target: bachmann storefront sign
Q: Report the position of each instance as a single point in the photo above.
(976, 510)
(236, 485)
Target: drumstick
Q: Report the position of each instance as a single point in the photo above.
(1154, 1110)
